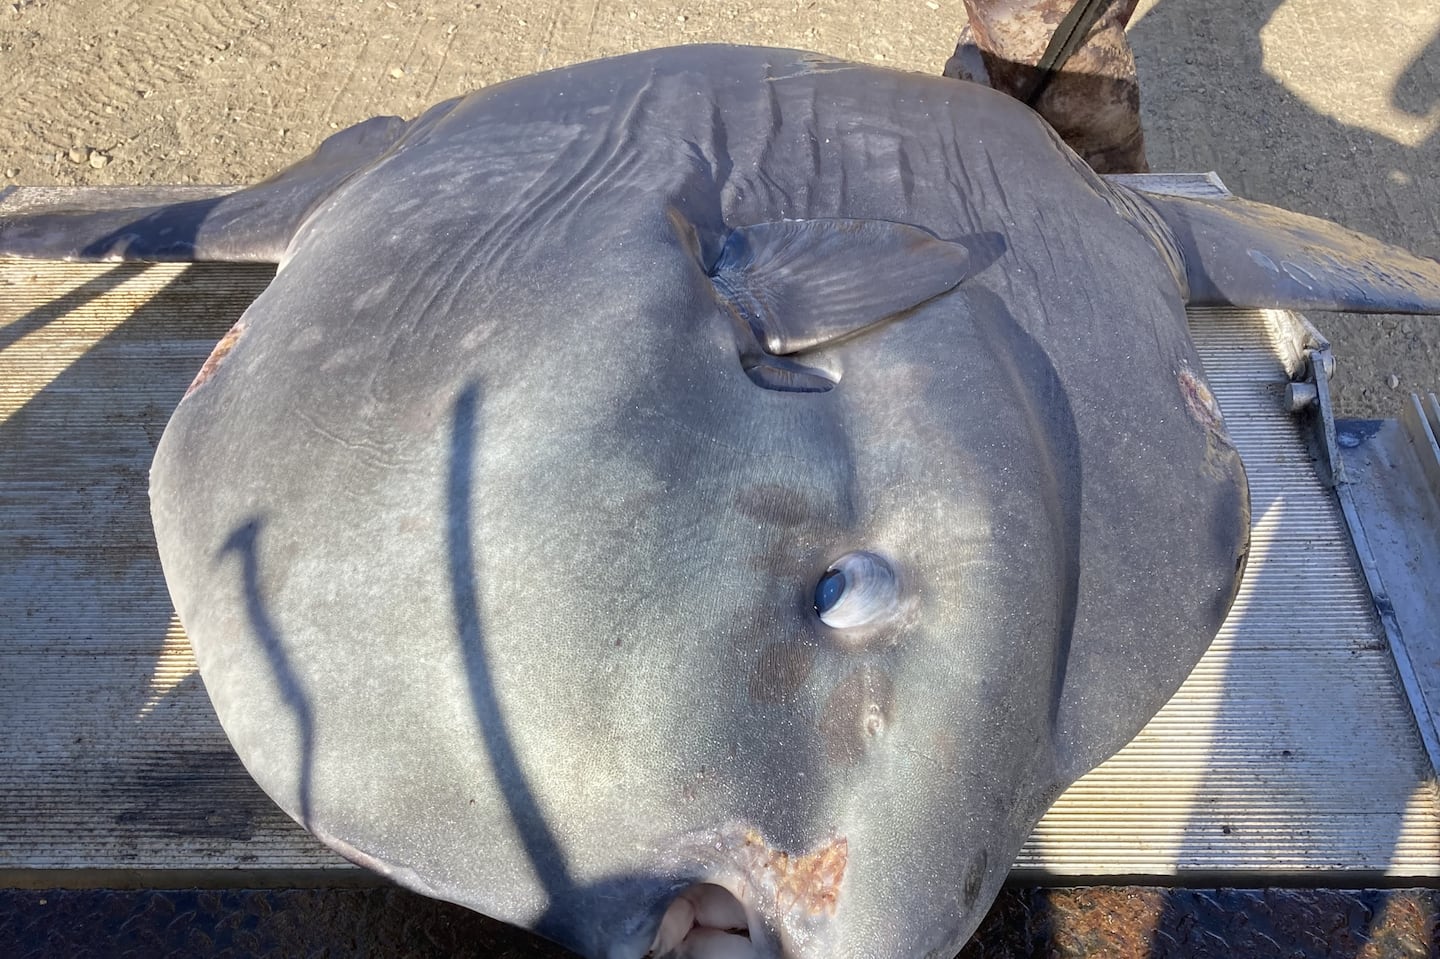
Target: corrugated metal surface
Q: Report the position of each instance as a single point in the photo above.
(1288, 751)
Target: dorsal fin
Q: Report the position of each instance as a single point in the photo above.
(253, 224)
(800, 283)
(1243, 253)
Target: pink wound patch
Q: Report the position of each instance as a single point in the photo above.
(217, 356)
(1199, 401)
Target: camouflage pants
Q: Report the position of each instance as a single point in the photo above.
(1091, 97)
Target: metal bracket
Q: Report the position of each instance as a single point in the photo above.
(1301, 344)
(1310, 365)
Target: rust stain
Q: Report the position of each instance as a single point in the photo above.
(808, 883)
(1400, 927)
(217, 356)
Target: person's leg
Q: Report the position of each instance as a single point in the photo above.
(1085, 88)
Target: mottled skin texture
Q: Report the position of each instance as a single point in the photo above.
(1092, 100)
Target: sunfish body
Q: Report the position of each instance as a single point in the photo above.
(708, 469)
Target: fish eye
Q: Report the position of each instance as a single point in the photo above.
(856, 589)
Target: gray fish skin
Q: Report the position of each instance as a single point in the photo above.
(520, 294)
(497, 522)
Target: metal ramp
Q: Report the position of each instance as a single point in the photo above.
(1291, 753)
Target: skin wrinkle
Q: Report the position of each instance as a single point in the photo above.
(606, 168)
(505, 236)
(954, 165)
(774, 115)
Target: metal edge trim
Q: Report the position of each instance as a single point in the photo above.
(1324, 428)
(343, 876)
(1322, 366)
(1422, 432)
(1380, 600)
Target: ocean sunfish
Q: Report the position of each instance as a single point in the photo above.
(709, 501)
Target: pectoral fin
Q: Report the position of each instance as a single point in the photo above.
(801, 283)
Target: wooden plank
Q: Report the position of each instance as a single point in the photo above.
(1289, 752)
(111, 758)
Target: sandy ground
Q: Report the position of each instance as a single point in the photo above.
(1330, 107)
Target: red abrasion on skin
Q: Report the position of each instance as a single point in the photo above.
(217, 356)
(808, 883)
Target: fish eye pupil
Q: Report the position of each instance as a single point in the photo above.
(829, 590)
(858, 589)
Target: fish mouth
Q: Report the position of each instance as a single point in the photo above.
(706, 921)
(751, 901)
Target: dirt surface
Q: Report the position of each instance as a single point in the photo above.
(1330, 107)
